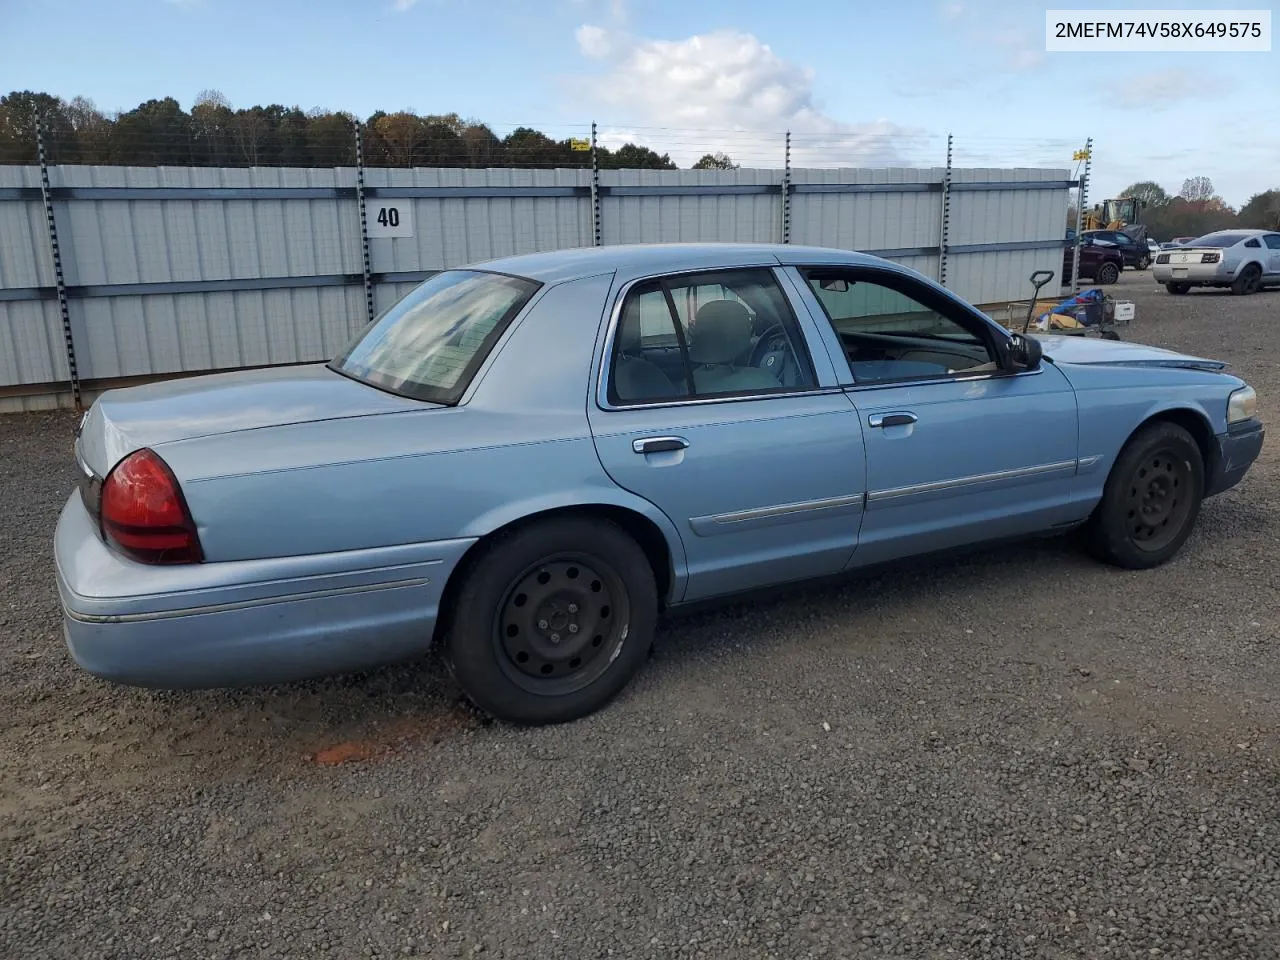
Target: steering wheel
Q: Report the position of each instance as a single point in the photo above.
(771, 351)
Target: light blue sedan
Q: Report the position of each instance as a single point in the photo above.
(531, 459)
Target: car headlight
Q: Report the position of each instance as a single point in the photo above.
(1242, 404)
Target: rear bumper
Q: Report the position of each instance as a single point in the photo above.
(1193, 273)
(246, 622)
(1237, 449)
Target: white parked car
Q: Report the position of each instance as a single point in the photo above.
(1243, 260)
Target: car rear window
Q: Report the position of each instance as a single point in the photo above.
(430, 343)
(1223, 238)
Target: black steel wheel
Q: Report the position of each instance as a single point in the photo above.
(1248, 281)
(552, 620)
(559, 625)
(1151, 499)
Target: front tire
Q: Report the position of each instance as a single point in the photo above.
(552, 621)
(1151, 499)
(1108, 273)
(1178, 289)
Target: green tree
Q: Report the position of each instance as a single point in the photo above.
(18, 113)
(1148, 192)
(154, 133)
(526, 147)
(331, 138)
(1262, 211)
(716, 161)
(632, 157)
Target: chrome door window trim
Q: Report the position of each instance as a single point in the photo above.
(952, 378)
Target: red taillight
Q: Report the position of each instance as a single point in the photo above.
(145, 514)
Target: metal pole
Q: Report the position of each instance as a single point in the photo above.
(786, 192)
(58, 277)
(364, 224)
(944, 235)
(1082, 198)
(595, 188)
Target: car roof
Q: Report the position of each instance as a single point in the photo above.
(632, 259)
(1246, 231)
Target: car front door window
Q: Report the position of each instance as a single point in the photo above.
(888, 334)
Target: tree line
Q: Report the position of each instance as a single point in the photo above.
(212, 133)
(1197, 209)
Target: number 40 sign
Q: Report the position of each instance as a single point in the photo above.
(389, 219)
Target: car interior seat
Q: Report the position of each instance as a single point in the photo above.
(634, 377)
(722, 330)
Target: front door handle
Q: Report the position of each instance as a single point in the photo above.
(891, 419)
(659, 444)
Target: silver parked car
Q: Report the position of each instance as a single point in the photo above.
(1243, 260)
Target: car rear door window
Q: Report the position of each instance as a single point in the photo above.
(728, 333)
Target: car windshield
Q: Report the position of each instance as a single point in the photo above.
(429, 345)
(1223, 238)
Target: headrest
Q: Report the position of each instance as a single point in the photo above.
(721, 331)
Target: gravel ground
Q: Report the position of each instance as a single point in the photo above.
(1022, 755)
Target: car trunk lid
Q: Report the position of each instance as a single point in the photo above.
(124, 420)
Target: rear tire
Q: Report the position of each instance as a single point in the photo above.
(1144, 263)
(1108, 273)
(552, 621)
(1178, 289)
(1249, 280)
(1151, 499)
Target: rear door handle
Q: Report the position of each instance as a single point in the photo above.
(659, 444)
(891, 419)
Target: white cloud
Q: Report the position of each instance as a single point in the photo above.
(593, 41)
(1016, 48)
(735, 92)
(1160, 89)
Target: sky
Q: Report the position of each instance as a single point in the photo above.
(857, 83)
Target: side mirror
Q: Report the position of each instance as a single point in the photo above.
(1023, 353)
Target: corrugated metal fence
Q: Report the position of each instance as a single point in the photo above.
(170, 270)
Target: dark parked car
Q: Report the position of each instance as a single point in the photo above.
(1100, 261)
(1136, 252)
